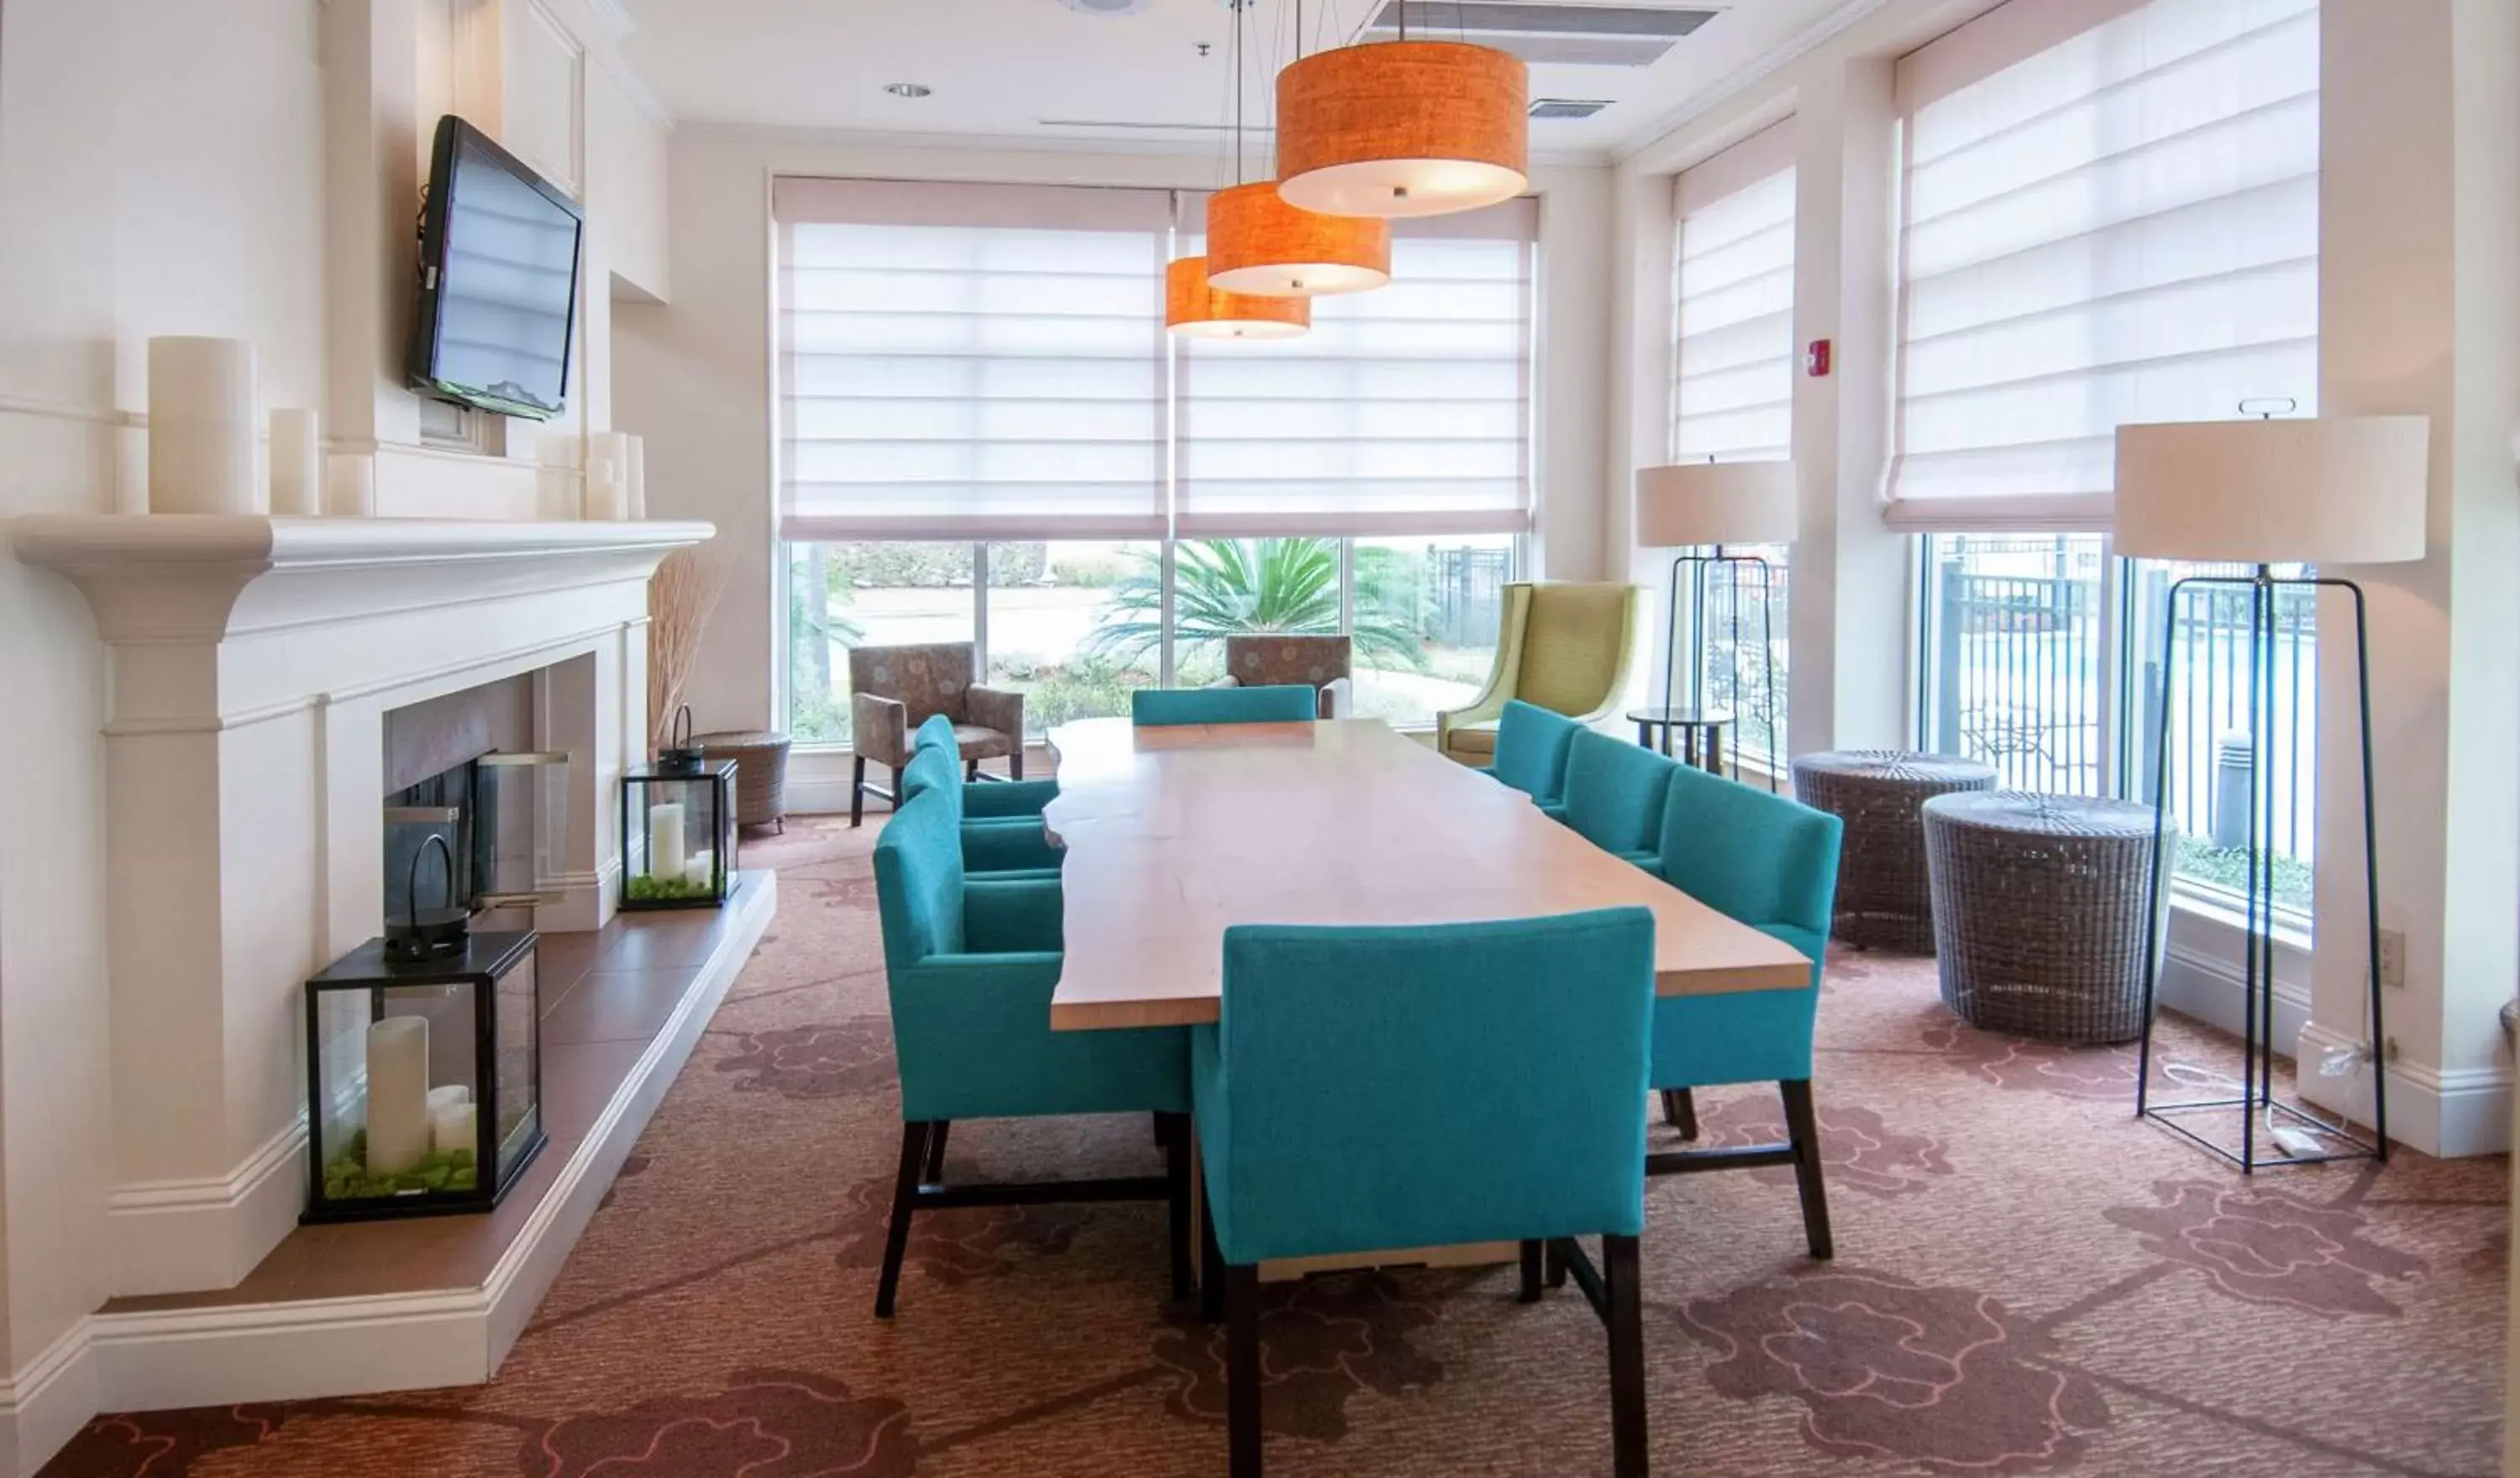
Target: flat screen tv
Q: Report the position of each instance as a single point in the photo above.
(498, 279)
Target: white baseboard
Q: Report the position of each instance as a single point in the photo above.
(2200, 981)
(587, 901)
(183, 1236)
(355, 1346)
(2451, 1113)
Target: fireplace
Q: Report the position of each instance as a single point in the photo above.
(504, 818)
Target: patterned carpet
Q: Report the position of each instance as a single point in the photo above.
(2027, 1282)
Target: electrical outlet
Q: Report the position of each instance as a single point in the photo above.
(2393, 959)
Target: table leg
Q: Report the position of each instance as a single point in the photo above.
(1714, 748)
(1645, 734)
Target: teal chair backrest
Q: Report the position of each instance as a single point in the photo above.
(931, 769)
(938, 731)
(1766, 861)
(919, 881)
(1531, 744)
(1615, 792)
(1369, 1088)
(1155, 707)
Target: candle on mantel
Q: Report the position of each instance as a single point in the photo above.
(638, 479)
(349, 487)
(665, 857)
(296, 465)
(200, 427)
(398, 1094)
(606, 498)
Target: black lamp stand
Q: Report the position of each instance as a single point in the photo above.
(2258, 1010)
(1700, 564)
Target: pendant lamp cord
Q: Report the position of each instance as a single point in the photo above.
(1238, 9)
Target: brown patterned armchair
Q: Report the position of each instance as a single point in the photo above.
(893, 690)
(1270, 661)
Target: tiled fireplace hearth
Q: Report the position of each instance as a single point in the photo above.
(256, 669)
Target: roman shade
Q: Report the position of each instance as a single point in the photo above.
(970, 361)
(1406, 410)
(2110, 215)
(1732, 293)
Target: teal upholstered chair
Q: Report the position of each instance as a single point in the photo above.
(1614, 794)
(1153, 707)
(1003, 846)
(1001, 819)
(972, 963)
(1381, 1089)
(1530, 750)
(1772, 864)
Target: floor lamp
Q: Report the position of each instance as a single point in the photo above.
(2259, 493)
(1696, 506)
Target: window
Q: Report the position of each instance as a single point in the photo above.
(2103, 224)
(2014, 650)
(1427, 610)
(987, 436)
(1732, 397)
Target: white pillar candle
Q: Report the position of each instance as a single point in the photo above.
(448, 1096)
(200, 427)
(296, 465)
(605, 498)
(398, 1094)
(638, 479)
(453, 1127)
(349, 487)
(701, 868)
(665, 857)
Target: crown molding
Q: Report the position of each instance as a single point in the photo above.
(1774, 60)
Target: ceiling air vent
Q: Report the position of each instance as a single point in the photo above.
(1566, 108)
(1568, 34)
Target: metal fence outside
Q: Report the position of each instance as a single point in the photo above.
(2018, 657)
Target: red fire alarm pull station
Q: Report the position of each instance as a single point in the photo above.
(1815, 359)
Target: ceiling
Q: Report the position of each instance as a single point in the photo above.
(1044, 74)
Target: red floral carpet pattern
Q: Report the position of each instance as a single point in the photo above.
(2028, 1282)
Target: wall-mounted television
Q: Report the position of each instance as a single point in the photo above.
(498, 279)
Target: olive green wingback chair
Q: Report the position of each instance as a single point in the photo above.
(1560, 646)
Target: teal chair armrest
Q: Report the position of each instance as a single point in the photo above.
(1008, 846)
(1553, 811)
(972, 1034)
(1004, 919)
(1008, 800)
(1651, 861)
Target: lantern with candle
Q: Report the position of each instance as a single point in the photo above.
(424, 1078)
(678, 834)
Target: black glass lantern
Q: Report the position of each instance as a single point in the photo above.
(678, 835)
(425, 1079)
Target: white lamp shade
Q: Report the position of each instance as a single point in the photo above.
(2342, 490)
(1715, 502)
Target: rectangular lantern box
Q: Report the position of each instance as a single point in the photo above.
(677, 836)
(424, 1080)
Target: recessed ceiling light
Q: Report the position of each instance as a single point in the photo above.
(1105, 6)
(908, 89)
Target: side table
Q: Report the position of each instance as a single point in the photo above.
(2039, 911)
(760, 774)
(1701, 733)
(1884, 896)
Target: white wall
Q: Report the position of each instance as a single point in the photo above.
(695, 377)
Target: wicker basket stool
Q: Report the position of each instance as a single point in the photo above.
(1882, 897)
(760, 774)
(2039, 911)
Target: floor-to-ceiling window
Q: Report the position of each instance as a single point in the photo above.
(986, 437)
(2109, 216)
(1731, 399)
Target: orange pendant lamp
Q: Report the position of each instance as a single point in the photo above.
(1257, 243)
(1193, 309)
(1402, 128)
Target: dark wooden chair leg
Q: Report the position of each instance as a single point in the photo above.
(1531, 1271)
(1242, 1371)
(896, 785)
(1679, 1111)
(1211, 1264)
(936, 1150)
(1015, 762)
(971, 770)
(1623, 1278)
(1802, 1128)
(1553, 1266)
(896, 1238)
(1174, 1129)
(857, 791)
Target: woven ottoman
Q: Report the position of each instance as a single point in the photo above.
(1883, 900)
(2039, 911)
(760, 774)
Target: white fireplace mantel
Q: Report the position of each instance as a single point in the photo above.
(253, 663)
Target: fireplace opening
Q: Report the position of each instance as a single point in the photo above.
(504, 818)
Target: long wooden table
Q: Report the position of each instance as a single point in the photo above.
(1175, 833)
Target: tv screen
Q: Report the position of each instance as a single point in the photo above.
(498, 279)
